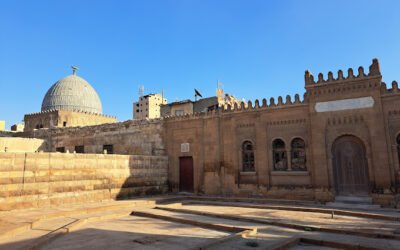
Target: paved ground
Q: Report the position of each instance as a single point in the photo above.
(303, 218)
(133, 232)
(197, 224)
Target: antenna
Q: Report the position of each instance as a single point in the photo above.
(141, 90)
(196, 94)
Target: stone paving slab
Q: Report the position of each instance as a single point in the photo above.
(133, 232)
(383, 214)
(23, 225)
(306, 219)
(44, 230)
(269, 236)
(16, 222)
(45, 227)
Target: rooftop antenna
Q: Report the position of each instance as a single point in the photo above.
(141, 90)
(74, 69)
(196, 94)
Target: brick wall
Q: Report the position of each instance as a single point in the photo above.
(47, 179)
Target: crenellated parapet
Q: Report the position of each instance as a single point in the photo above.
(248, 106)
(76, 111)
(264, 104)
(390, 91)
(374, 70)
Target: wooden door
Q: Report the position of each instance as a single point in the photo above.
(350, 167)
(186, 174)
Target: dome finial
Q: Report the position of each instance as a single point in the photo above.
(74, 69)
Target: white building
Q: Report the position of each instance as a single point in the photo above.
(148, 106)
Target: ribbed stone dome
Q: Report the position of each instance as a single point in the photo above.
(72, 93)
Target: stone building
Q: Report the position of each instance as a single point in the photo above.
(18, 127)
(70, 102)
(185, 107)
(148, 106)
(2, 125)
(342, 138)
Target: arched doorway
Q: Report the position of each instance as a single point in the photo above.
(350, 166)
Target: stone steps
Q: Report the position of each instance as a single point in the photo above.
(389, 215)
(354, 199)
(353, 206)
(353, 202)
(285, 223)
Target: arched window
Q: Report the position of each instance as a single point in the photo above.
(298, 155)
(398, 147)
(248, 157)
(279, 155)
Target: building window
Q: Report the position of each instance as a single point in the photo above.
(80, 149)
(179, 112)
(279, 155)
(109, 148)
(398, 147)
(64, 124)
(248, 157)
(298, 155)
(60, 149)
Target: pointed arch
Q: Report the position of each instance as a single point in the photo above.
(279, 155)
(248, 157)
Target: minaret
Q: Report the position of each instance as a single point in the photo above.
(220, 92)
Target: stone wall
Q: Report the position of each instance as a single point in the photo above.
(15, 144)
(47, 179)
(128, 138)
(6, 134)
(63, 118)
(2, 125)
(359, 108)
(215, 140)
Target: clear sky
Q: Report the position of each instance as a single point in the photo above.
(255, 48)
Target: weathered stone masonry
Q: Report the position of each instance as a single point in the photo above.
(127, 138)
(47, 179)
(358, 109)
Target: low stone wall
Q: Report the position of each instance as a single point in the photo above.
(48, 179)
(15, 144)
(6, 134)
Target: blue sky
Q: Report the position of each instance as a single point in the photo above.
(255, 48)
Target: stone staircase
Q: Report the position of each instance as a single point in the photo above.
(357, 202)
